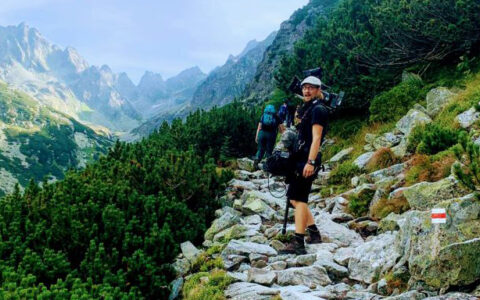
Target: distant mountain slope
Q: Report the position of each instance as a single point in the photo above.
(154, 95)
(229, 81)
(36, 141)
(222, 86)
(290, 32)
(61, 78)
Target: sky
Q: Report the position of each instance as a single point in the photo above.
(165, 37)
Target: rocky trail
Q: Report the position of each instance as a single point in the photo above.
(402, 256)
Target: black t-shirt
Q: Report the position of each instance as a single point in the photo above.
(309, 117)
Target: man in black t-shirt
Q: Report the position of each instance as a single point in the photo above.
(312, 126)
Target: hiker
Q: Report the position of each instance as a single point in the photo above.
(291, 108)
(267, 133)
(282, 112)
(312, 119)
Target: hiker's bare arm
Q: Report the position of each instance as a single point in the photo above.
(281, 127)
(258, 130)
(314, 148)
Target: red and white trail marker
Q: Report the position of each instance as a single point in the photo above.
(439, 216)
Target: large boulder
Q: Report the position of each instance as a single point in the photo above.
(437, 99)
(468, 118)
(332, 232)
(225, 221)
(453, 255)
(374, 258)
(425, 195)
(308, 276)
(413, 118)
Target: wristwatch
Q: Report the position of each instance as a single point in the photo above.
(311, 162)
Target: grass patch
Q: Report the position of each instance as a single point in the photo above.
(206, 286)
(384, 207)
(429, 168)
(381, 159)
(342, 174)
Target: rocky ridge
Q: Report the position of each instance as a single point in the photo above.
(402, 256)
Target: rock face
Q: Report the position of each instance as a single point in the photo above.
(425, 195)
(229, 81)
(363, 159)
(290, 31)
(437, 99)
(373, 259)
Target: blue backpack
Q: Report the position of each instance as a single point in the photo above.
(268, 121)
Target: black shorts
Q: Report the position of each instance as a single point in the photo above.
(299, 187)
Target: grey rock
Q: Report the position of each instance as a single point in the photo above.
(306, 260)
(308, 276)
(277, 245)
(297, 292)
(410, 295)
(394, 170)
(354, 295)
(332, 232)
(400, 150)
(238, 276)
(386, 140)
(245, 164)
(370, 137)
(343, 255)
(247, 290)
(189, 251)
(176, 288)
(245, 248)
(254, 206)
(425, 195)
(412, 119)
(181, 266)
(242, 185)
(437, 99)
(252, 220)
(453, 296)
(373, 258)
(334, 270)
(468, 118)
(265, 197)
(341, 156)
(225, 221)
(261, 276)
(363, 159)
(231, 262)
(279, 265)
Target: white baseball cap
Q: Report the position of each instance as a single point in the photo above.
(312, 80)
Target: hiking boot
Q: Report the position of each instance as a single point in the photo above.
(297, 246)
(314, 237)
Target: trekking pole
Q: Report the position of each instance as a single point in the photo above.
(284, 230)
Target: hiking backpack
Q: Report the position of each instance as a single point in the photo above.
(269, 123)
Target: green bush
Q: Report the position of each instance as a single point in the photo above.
(395, 103)
(358, 204)
(343, 173)
(431, 139)
(196, 288)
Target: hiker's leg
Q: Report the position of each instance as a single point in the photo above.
(301, 215)
(270, 143)
(261, 146)
(310, 219)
